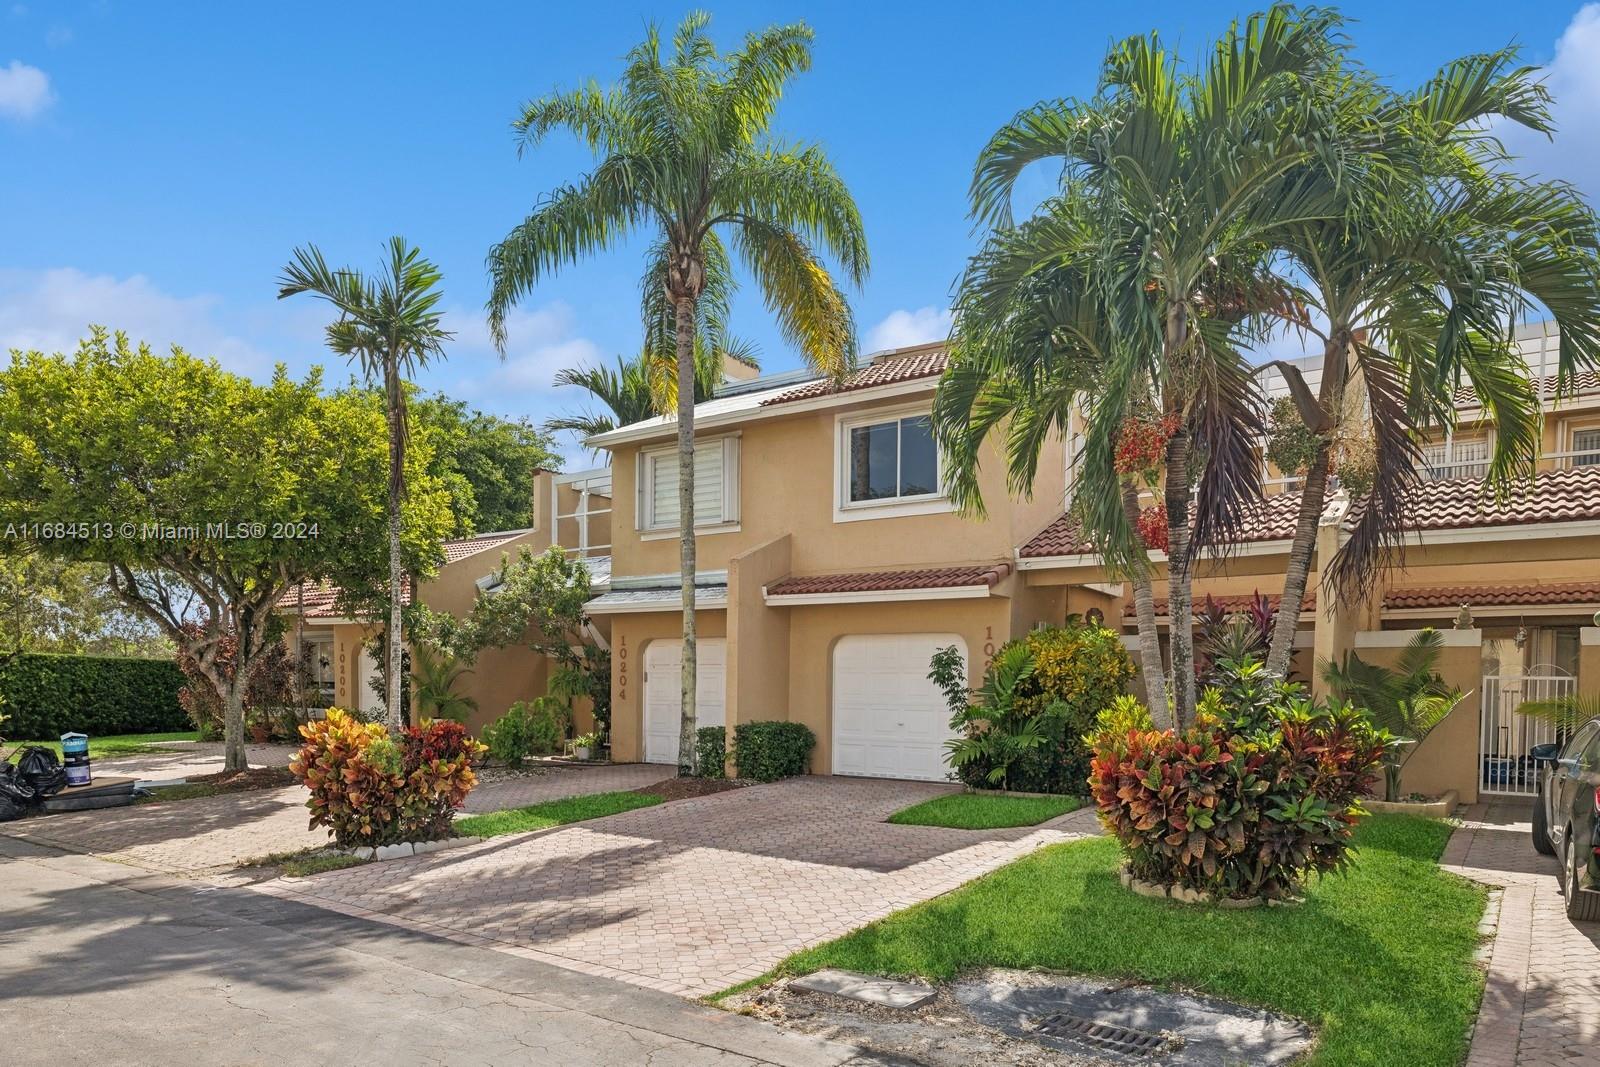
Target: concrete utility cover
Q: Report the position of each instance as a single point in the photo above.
(1131, 1024)
(865, 988)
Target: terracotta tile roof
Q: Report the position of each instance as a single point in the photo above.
(879, 581)
(321, 597)
(1458, 504)
(925, 361)
(1272, 520)
(1583, 383)
(1555, 496)
(1229, 604)
(1453, 596)
(455, 551)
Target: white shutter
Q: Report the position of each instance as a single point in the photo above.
(708, 485)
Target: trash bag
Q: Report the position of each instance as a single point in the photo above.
(39, 767)
(16, 795)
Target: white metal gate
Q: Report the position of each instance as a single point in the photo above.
(1504, 736)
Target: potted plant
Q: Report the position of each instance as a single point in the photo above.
(260, 726)
(584, 745)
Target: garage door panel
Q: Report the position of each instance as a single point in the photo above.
(663, 708)
(889, 720)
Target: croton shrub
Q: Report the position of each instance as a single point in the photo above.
(372, 789)
(1264, 790)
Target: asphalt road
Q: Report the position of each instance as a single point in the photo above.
(104, 963)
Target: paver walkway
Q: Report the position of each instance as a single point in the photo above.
(212, 835)
(1541, 1002)
(692, 896)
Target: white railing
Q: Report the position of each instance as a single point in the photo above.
(1505, 736)
(589, 485)
(1479, 468)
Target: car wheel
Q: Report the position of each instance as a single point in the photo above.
(1541, 830)
(1582, 904)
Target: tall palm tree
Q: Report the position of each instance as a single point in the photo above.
(1420, 285)
(1190, 180)
(390, 325)
(685, 154)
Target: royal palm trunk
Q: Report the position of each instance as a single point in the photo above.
(1144, 606)
(1177, 493)
(394, 637)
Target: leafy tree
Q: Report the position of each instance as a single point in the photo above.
(488, 462)
(48, 604)
(1438, 252)
(1407, 701)
(390, 326)
(1175, 189)
(206, 496)
(685, 155)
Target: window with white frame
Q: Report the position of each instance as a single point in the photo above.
(716, 485)
(888, 461)
(1586, 447)
(1465, 456)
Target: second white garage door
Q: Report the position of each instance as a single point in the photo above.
(663, 686)
(889, 720)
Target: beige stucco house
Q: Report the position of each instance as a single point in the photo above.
(572, 510)
(831, 566)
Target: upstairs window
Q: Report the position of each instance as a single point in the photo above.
(716, 485)
(889, 462)
(1586, 446)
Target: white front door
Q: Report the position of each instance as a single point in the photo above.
(889, 720)
(367, 700)
(663, 686)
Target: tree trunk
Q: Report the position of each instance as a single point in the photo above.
(232, 694)
(1313, 497)
(1144, 606)
(685, 315)
(1177, 495)
(395, 638)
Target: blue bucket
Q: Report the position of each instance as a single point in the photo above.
(75, 758)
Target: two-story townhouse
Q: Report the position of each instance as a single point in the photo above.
(831, 566)
(572, 510)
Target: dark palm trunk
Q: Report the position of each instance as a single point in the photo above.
(1313, 497)
(685, 315)
(397, 461)
(1144, 607)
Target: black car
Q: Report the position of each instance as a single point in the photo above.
(1566, 815)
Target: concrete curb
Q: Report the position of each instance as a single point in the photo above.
(408, 848)
(1437, 809)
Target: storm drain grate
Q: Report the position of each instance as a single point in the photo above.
(1108, 1036)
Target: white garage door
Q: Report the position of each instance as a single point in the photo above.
(663, 682)
(889, 720)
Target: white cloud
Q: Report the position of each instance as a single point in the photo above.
(24, 90)
(539, 342)
(902, 328)
(51, 310)
(1573, 78)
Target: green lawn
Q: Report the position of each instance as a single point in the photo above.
(977, 811)
(113, 745)
(552, 813)
(1379, 959)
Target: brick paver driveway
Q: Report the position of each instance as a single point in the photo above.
(1541, 1003)
(691, 896)
(212, 835)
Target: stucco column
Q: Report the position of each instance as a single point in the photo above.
(1589, 659)
(1337, 619)
(758, 637)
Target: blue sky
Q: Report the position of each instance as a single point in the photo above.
(159, 161)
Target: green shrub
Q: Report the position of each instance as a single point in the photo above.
(1262, 791)
(528, 728)
(1023, 727)
(711, 746)
(767, 751)
(46, 695)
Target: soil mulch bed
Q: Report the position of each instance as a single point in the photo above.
(210, 785)
(685, 788)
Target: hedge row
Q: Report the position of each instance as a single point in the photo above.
(43, 696)
(767, 751)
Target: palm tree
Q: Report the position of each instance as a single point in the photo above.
(434, 674)
(1420, 284)
(1190, 181)
(641, 387)
(684, 154)
(389, 325)
(1408, 700)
